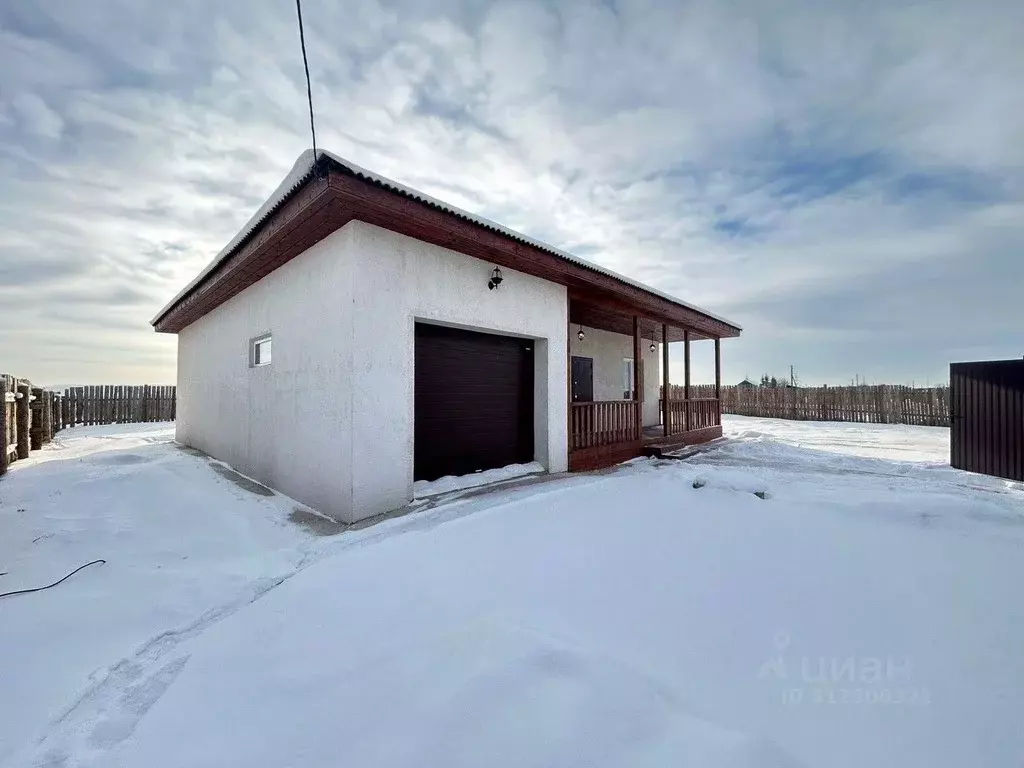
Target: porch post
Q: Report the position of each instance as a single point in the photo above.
(718, 378)
(718, 368)
(665, 412)
(570, 440)
(638, 377)
(686, 379)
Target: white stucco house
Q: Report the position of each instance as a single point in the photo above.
(358, 335)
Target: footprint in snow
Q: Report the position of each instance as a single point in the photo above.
(113, 727)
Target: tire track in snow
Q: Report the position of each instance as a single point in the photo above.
(109, 710)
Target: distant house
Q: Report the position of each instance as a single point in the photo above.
(746, 383)
(358, 335)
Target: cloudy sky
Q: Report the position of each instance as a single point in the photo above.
(846, 180)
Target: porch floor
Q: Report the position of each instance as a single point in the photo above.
(656, 443)
(653, 443)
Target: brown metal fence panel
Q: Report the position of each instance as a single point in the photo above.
(987, 417)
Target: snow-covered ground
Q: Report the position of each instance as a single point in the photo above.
(804, 594)
(424, 489)
(897, 442)
(184, 547)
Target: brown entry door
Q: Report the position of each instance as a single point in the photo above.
(582, 379)
(473, 402)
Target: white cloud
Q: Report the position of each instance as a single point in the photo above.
(36, 117)
(636, 131)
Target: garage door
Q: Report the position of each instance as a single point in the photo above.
(474, 402)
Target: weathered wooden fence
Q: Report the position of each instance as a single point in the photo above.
(113, 404)
(875, 404)
(31, 416)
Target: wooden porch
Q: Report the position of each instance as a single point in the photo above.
(606, 432)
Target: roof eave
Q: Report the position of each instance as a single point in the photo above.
(244, 235)
(303, 173)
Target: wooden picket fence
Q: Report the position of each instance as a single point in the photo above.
(31, 416)
(114, 404)
(867, 404)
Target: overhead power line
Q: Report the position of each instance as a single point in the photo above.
(309, 87)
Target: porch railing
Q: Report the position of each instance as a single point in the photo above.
(603, 422)
(704, 412)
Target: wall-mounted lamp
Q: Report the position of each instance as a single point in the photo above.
(654, 347)
(580, 334)
(495, 280)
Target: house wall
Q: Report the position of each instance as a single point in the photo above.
(398, 281)
(287, 424)
(330, 421)
(608, 350)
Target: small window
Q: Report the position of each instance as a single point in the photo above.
(261, 349)
(627, 378)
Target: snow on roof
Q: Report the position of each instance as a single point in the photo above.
(299, 173)
(302, 170)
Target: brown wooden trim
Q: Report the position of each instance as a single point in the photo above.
(665, 388)
(302, 221)
(611, 314)
(602, 456)
(322, 206)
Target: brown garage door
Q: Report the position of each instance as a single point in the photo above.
(474, 401)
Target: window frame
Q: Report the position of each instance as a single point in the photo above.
(628, 378)
(254, 344)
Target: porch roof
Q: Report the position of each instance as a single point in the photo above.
(582, 312)
(318, 197)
